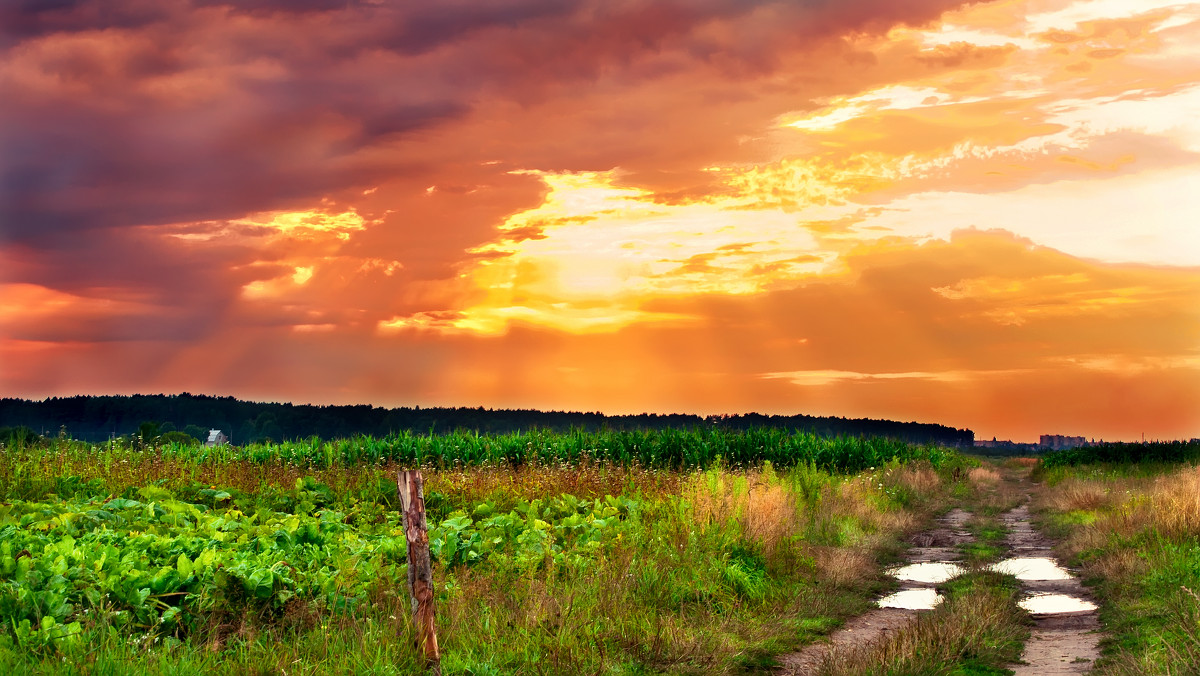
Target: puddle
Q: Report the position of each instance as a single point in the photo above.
(912, 599)
(1049, 604)
(932, 573)
(1032, 569)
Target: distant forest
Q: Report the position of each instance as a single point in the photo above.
(97, 418)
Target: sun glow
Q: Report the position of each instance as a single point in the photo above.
(894, 160)
(308, 224)
(593, 253)
(969, 216)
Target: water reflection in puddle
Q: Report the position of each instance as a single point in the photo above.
(1032, 569)
(932, 573)
(1047, 604)
(912, 599)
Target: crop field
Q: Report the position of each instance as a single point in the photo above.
(682, 552)
(667, 449)
(1124, 454)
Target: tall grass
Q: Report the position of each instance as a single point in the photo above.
(671, 449)
(1138, 537)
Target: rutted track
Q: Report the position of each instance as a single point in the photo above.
(1065, 638)
(936, 546)
(1066, 632)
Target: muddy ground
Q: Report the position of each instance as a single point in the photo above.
(1065, 634)
(937, 545)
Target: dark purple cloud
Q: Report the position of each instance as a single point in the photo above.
(119, 116)
(22, 19)
(175, 111)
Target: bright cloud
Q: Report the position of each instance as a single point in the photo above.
(976, 213)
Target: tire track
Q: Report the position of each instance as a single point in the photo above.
(938, 546)
(1066, 633)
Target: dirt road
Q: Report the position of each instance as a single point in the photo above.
(934, 549)
(1065, 635)
(1065, 638)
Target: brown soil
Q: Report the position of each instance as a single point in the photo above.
(870, 627)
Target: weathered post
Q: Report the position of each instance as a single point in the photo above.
(420, 573)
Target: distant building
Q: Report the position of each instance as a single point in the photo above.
(1005, 447)
(216, 438)
(1057, 442)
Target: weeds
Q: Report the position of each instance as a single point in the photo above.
(977, 629)
(1137, 536)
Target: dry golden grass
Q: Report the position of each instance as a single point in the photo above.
(1075, 494)
(1113, 501)
(997, 498)
(713, 496)
(843, 566)
(1169, 505)
(984, 475)
(920, 479)
(1173, 504)
(859, 499)
(983, 622)
(764, 507)
(1119, 565)
(1169, 508)
(770, 516)
(770, 511)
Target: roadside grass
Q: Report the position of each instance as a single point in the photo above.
(994, 495)
(1135, 530)
(712, 571)
(985, 494)
(988, 545)
(976, 631)
(977, 553)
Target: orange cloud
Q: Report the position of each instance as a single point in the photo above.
(975, 213)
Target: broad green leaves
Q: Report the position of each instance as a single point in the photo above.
(565, 529)
(156, 565)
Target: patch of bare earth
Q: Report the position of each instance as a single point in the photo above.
(938, 545)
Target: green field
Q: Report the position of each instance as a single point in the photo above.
(1124, 454)
(667, 449)
(623, 552)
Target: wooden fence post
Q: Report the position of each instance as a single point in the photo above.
(420, 573)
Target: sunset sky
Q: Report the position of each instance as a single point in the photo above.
(985, 215)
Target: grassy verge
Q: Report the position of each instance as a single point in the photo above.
(143, 562)
(986, 495)
(1135, 530)
(988, 545)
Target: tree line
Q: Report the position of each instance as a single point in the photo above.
(98, 418)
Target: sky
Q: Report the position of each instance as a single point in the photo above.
(985, 215)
